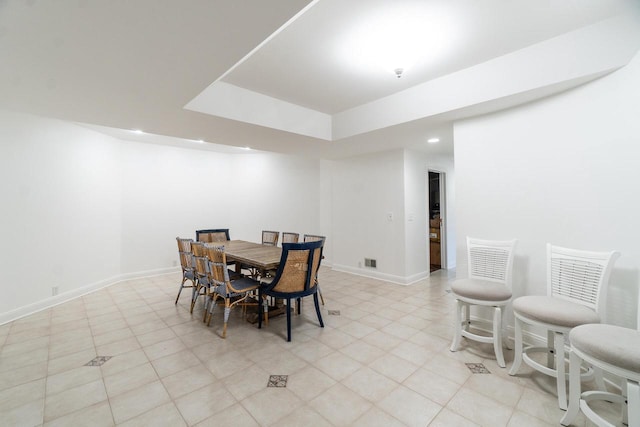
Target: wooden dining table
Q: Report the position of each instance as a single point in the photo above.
(261, 257)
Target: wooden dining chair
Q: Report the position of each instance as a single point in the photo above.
(270, 238)
(201, 267)
(233, 292)
(288, 237)
(186, 264)
(295, 279)
(213, 235)
(315, 238)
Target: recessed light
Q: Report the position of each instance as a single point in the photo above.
(433, 140)
(138, 131)
(246, 148)
(199, 141)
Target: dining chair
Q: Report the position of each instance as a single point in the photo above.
(270, 238)
(288, 237)
(576, 292)
(295, 279)
(213, 235)
(233, 292)
(490, 273)
(615, 350)
(201, 266)
(315, 238)
(186, 264)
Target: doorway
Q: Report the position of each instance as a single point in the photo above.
(437, 259)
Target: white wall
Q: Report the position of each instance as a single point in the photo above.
(562, 170)
(60, 218)
(416, 230)
(81, 210)
(365, 190)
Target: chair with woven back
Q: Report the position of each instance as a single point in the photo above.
(315, 238)
(288, 237)
(221, 285)
(213, 235)
(576, 295)
(295, 279)
(270, 238)
(187, 265)
(201, 266)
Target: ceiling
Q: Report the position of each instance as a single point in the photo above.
(303, 77)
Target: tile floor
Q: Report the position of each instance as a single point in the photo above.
(382, 359)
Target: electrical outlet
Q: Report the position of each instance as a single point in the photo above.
(389, 216)
(54, 290)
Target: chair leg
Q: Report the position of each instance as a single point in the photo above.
(598, 378)
(561, 379)
(517, 357)
(315, 302)
(321, 297)
(227, 311)
(194, 296)
(574, 390)
(265, 310)
(288, 319)
(633, 405)
(212, 306)
(497, 336)
(184, 279)
(260, 308)
(457, 334)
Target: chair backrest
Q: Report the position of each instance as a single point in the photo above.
(198, 249)
(491, 260)
(200, 260)
(288, 237)
(270, 238)
(297, 271)
(219, 274)
(213, 235)
(184, 245)
(186, 256)
(579, 276)
(313, 238)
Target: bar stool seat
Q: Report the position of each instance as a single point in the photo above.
(555, 311)
(613, 349)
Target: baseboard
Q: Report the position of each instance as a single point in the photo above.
(35, 307)
(367, 272)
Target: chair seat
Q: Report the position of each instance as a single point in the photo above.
(554, 311)
(244, 284)
(611, 344)
(481, 290)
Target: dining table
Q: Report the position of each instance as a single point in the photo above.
(262, 258)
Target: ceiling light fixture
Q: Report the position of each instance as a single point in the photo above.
(433, 140)
(396, 37)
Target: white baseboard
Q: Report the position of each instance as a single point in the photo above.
(367, 272)
(35, 307)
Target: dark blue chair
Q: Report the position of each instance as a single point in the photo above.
(294, 279)
(213, 235)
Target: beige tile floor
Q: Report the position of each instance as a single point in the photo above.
(384, 360)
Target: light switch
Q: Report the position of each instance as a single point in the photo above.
(389, 216)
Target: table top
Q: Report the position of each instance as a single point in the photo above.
(262, 257)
